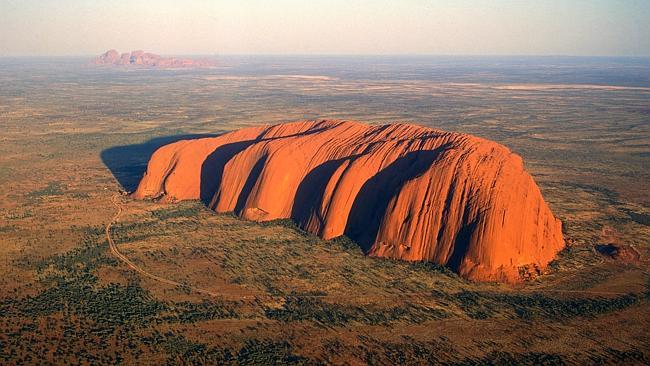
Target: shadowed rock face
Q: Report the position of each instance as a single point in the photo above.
(400, 191)
(141, 58)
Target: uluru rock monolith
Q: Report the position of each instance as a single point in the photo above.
(400, 191)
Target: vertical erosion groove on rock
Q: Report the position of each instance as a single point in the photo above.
(400, 191)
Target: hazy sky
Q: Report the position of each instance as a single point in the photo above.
(513, 27)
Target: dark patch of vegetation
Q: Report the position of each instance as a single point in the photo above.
(429, 267)
(52, 189)
(269, 352)
(136, 231)
(483, 305)
(79, 261)
(193, 353)
(7, 228)
(610, 196)
(475, 305)
(17, 215)
(614, 356)
(80, 195)
(190, 312)
(407, 352)
(253, 352)
(507, 358)
(130, 232)
(311, 308)
(639, 218)
(347, 245)
(174, 212)
(111, 305)
(288, 223)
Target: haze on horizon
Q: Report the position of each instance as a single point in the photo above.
(444, 27)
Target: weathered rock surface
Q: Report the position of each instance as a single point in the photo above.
(400, 191)
(141, 58)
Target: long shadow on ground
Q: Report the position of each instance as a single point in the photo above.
(128, 163)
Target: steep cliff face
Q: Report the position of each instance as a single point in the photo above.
(400, 191)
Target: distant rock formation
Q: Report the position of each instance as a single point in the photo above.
(145, 59)
(400, 191)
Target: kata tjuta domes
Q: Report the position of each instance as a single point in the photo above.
(400, 191)
(146, 59)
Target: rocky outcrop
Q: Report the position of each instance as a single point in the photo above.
(613, 248)
(400, 191)
(141, 58)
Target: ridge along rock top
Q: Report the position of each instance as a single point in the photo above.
(399, 190)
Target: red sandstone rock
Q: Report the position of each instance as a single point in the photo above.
(141, 58)
(400, 191)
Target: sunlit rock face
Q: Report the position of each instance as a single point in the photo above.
(400, 191)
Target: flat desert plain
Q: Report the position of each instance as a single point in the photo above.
(213, 288)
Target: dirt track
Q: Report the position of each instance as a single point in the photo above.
(133, 266)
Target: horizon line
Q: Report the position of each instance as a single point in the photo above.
(338, 55)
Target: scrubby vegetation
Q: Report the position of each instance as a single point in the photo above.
(52, 189)
(483, 305)
(252, 352)
(181, 211)
(308, 308)
(112, 312)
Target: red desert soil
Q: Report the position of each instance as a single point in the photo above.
(399, 190)
(141, 58)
